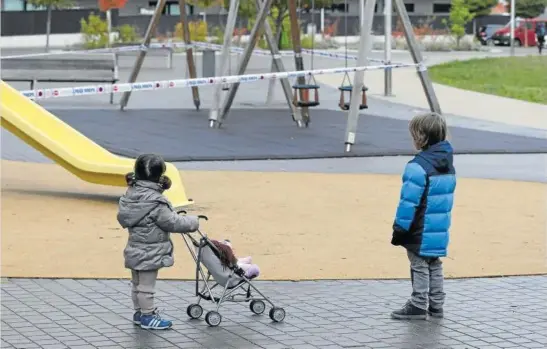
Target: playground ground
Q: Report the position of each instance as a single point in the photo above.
(301, 220)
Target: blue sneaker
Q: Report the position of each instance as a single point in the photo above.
(137, 317)
(154, 322)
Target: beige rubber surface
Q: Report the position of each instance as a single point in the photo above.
(295, 225)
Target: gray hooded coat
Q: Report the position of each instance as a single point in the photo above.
(149, 217)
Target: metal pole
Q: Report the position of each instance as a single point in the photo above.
(388, 81)
(225, 58)
(322, 20)
(297, 48)
(144, 47)
(109, 24)
(260, 19)
(279, 67)
(417, 57)
(189, 50)
(512, 34)
(366, 16)
(271, 86)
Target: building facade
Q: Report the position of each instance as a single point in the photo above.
(143, 7)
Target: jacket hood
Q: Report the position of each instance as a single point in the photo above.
(139, 200)
(440, 156)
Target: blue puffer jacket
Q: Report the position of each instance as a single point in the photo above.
(423, 216)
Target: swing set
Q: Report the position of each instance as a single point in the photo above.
(304, 90)
(347, 87)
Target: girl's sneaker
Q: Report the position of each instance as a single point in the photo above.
(137, 317)
(154, 322)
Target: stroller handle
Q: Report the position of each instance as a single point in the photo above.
(199, 216)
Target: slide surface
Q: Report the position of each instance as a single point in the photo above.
(69, 148)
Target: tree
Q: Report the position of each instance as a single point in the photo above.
(50, 5)
(278, 14)
(480, 7)
(529, 8)
(459, 17)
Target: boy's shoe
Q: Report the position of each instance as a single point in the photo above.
(137, 317)
(438, 313)
(409, 312)
(154, 322)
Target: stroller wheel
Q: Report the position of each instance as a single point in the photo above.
(277, 314)
(257, 306)
(213, 318)
(194, 311)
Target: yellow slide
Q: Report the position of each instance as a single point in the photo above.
(69, 148)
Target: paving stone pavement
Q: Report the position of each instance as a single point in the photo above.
(480, 313)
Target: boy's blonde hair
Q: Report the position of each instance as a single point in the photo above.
(428, 129)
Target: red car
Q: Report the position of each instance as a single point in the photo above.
(525, 33)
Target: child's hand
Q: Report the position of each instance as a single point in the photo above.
(192, 223)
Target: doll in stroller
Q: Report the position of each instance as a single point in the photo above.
(232, 277)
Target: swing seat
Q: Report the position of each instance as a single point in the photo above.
(304, 91)
(349, 88)
(345, 106)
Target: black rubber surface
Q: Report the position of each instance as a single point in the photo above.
(249, 134)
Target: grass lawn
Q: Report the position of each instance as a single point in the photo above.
(522, 78)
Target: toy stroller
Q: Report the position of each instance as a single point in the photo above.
(236, 287)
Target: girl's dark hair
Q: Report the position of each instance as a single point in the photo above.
(226, 255)
(149, 167)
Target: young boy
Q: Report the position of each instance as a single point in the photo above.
(149, 217)
(423, 216)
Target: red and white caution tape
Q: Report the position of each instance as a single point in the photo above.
(183, 83)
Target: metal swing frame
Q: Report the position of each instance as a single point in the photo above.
(190, 63)
(302, 88)
(366, 17)
(345, 106)
(219, 111)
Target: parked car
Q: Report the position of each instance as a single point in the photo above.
(525, 33)
(485, 33)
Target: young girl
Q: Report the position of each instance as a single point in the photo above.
(228, 258)
(149, 218)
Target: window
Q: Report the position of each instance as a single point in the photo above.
(31, 7)
(339, 8)
(409, 7)
(441, 8)
(13, 5)
(174, 9)
(20, 5)
(171, 8)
